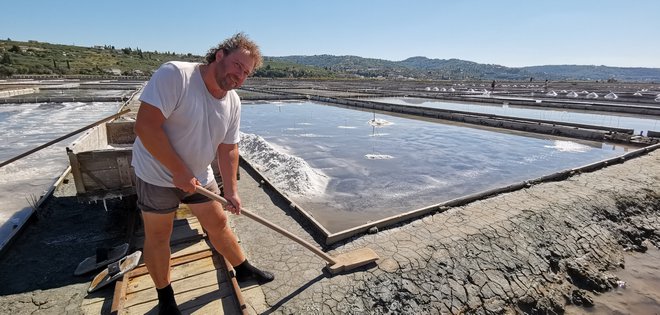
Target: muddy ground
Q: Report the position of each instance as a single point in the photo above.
(535, 250)
(36, 271)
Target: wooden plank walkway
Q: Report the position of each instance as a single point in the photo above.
(201, 279)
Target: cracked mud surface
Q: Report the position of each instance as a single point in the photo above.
(36, 272)
(534, 251)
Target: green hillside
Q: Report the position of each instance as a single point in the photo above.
(44, 58)
(34, 57)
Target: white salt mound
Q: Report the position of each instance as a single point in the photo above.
(289, 174)
(611, 96)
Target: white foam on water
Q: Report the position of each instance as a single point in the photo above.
(346, 127)
(289, 174)
(311, 135)
(377, 122)
(378, 156)
(568, 146)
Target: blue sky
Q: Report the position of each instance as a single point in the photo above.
(505, 32)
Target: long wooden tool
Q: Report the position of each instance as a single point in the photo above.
(64, 137)
(342, 262)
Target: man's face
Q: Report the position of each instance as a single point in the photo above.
(233, 69)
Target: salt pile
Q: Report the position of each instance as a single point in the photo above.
(611, 96)
(291, 175)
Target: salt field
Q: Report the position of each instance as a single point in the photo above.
(364, 166)
(27, 126)
(641, 124)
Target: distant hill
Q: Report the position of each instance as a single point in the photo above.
(425, 68)
(35, 57)
(597, 72)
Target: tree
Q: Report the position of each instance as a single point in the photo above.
(6, 59)
(15, 48)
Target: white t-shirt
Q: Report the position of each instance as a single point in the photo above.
(195, 122)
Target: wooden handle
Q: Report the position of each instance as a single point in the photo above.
(63, 137)
(272, 226)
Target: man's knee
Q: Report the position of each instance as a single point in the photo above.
(221, 221)
(158, 237)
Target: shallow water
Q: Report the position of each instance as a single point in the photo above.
(637, 122)
(73, 92)
(24, 127)
(641, 293)
(380, 171)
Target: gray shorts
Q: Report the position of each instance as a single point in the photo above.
(157, 199)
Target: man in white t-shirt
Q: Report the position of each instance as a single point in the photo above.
(189, 114)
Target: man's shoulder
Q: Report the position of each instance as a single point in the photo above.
(232, 95)
(184, 66)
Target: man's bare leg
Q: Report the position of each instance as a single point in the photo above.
(214, 220)
(157, 233)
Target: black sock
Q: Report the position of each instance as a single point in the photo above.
(166, 302)
(245, 271)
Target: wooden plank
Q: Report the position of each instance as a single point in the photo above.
(94, 139)
(184, 249)
(111, 180)
(104, 159)
(142, 269)
(75, 170)
(90, 179)
(231, 280)
(190, 302)
(119, 298)
(121, 286)
(120, 132)
(142, 294)
(124, 168)
(225, 305)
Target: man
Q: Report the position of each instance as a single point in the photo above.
(188, 114)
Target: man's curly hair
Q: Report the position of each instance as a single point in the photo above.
(237, 42)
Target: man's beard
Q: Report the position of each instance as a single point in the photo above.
(227, 82)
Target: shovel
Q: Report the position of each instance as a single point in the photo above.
(340, 263)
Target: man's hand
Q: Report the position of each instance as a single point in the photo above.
(185, 181)
(233, 203)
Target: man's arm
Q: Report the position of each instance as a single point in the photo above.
(228, 165)
(149, 127)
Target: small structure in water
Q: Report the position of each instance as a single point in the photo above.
(611, 96)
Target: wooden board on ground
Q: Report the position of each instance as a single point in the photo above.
(200, 281)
